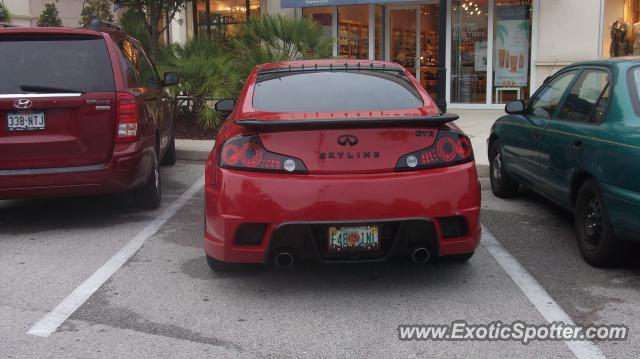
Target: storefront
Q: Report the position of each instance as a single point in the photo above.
(622, 28)
(222, 18)
(467, 54)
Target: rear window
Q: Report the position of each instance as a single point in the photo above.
(80, 65)
(330, 91)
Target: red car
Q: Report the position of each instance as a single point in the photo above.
(338, 161)
(83, 111)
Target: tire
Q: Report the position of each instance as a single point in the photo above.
(502, 185)
(149, 195)
(170, 156)
(594, 231)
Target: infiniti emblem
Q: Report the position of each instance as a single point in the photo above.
(22, 103)
(350, 140)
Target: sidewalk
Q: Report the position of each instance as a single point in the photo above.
(475, 123)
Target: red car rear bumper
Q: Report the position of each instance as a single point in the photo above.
(275, 200)
(129, 167)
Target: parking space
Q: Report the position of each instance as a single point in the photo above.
(166, 302)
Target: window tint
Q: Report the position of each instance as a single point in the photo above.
(139, 69)
(546, 102)
(588, 98)
(78, 64)
(327, 91)
(148, 73)
(634, 88)
(130, 63)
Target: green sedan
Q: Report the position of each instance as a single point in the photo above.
(577, 142)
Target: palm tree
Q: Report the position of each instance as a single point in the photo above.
(271, 38)
(207, 72)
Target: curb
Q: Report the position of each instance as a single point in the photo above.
(191, 155)
(201, 154)
(483, 170)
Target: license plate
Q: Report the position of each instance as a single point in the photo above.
(25, 121)
(361, 238)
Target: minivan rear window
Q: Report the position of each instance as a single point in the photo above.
(74, 64)
(331, 91)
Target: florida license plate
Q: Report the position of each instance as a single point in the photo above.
(25, 121)
(352, 238)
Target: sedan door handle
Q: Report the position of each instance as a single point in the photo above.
(537, 136)
(577, 144)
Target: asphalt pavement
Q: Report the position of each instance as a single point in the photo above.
(165, 302)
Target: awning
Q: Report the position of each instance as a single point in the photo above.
(308, 3)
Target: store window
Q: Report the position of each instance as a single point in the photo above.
(322, 15)
(379, 33)
(512, 50)
(222, 18)
(429, 48)
(353, 32)
(403, 37)
(469, 21)
(622, 35)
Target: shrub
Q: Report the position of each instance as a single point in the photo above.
(211, 70)
(206, 70)
(5, 16)
(132, 22)
(49, 16)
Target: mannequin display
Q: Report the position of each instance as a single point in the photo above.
(619, 42)
(636, 39)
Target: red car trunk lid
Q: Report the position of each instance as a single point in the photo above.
(356, 150)
(67, 78)
(78, 130)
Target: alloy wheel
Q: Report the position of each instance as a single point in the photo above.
(592, 219)
(497, 166)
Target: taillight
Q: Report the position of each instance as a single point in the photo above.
(450, 148)
(127, 118)
(247, 153)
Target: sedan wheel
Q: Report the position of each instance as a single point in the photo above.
(502, 185)
(594, 231)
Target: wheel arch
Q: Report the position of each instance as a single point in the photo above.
(492, 138)
(578, 179)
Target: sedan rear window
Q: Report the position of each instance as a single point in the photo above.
(51, 65)
(331, 91)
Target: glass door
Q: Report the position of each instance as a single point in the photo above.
(403, 44)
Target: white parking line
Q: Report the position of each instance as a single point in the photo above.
(50, 322)
(537, 295)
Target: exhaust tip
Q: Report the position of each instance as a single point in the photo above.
(284, 260)
(420, 255)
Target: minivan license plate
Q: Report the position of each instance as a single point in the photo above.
(25, 121)
(360, 238)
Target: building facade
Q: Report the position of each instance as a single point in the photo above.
(466, 53)
(27, 12)
(469, 54)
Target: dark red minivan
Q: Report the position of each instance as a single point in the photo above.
(82, 111)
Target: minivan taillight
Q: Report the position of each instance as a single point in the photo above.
(450, 148)
(127, 118)
(248, 153)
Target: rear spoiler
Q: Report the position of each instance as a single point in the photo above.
(434, 120)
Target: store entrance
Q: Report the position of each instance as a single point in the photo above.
(412, 41)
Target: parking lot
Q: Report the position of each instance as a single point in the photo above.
(166, 302)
